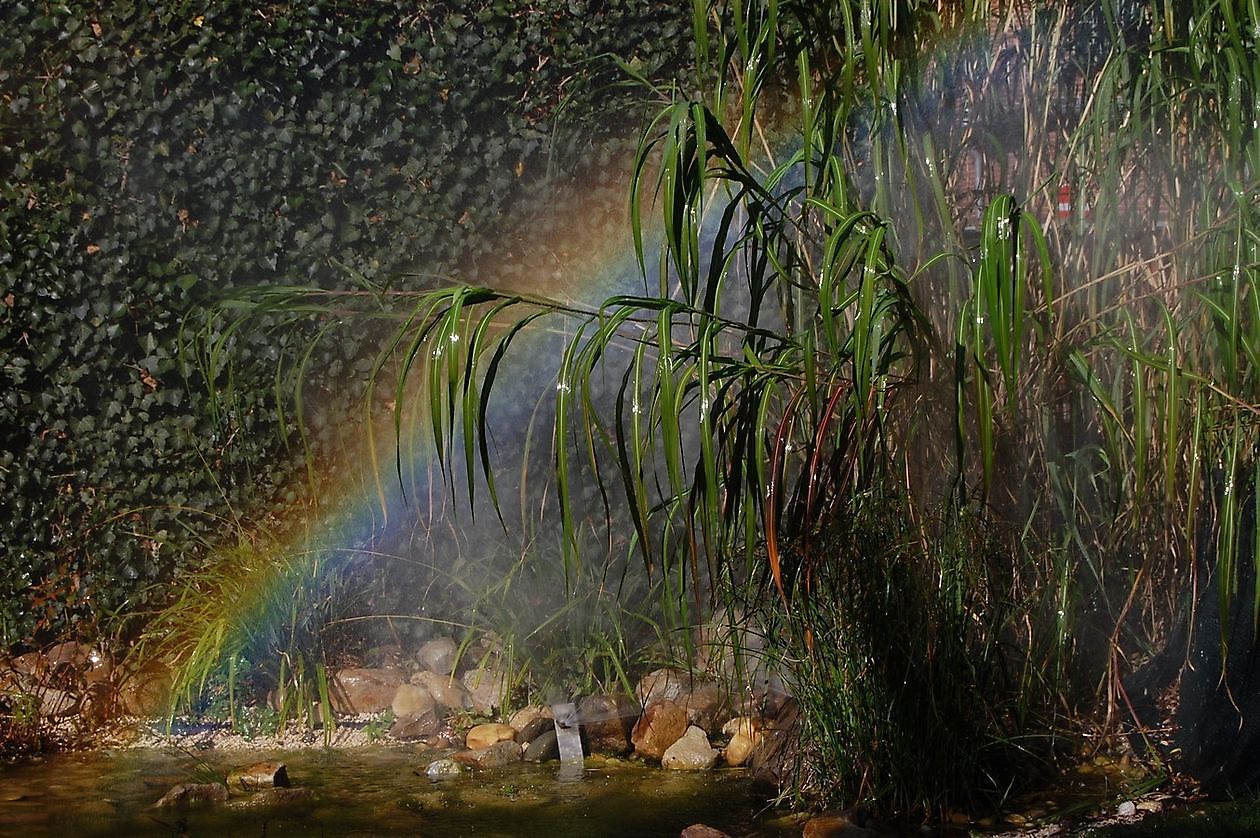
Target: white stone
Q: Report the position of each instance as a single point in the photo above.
(692, 751)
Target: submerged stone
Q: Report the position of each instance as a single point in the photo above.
(494, 756)
(259, 775)
(193, 794)
(276, 797)
(700, 830)
(443, 769)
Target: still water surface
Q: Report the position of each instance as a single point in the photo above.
(373, 791)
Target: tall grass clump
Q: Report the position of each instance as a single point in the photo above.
(945, 359)
(255, 627)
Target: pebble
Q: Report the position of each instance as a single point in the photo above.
(443, 769)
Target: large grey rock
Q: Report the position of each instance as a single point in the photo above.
(423, 725)
(661, 725)
(690, 751)
(360, 690)
(543, 747)
(607, 719)
(439, 655)
(447, 692)
(486, 688)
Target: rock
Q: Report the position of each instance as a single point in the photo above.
(745, 733)
(691, 751)
(69, 655)
(706, 705)
(33, 664)
(495, 756)
(193, 794)
(259, 775)
(99, 702)
(145, 691)
(738, 750)
(607, 719)
(530, 718)
(661, 725)
(699, 830)
(100, 669)
(412, 700)
(439, 655)
(421, 725)
(534, 729)
(443, 769)
(486, 688)
(666, 684)
(835, 826)
(55, 703)
(387, 656)
(777, 757)
(359, 690)
(543, 747)
(276, 797)
(483, 736)
(445, 691)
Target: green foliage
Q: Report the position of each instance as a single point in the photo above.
(159, 153)
(379, 725)
(256, 621)
(906, 634)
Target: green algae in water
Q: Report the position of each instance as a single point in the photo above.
(376, 791)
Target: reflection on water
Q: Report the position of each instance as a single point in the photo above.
(371, 791)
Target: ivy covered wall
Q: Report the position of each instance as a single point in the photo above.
(153, 154)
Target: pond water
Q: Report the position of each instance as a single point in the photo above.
(375, 791)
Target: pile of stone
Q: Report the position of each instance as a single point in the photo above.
(673, 718)
(261, 785)
(679, 719)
